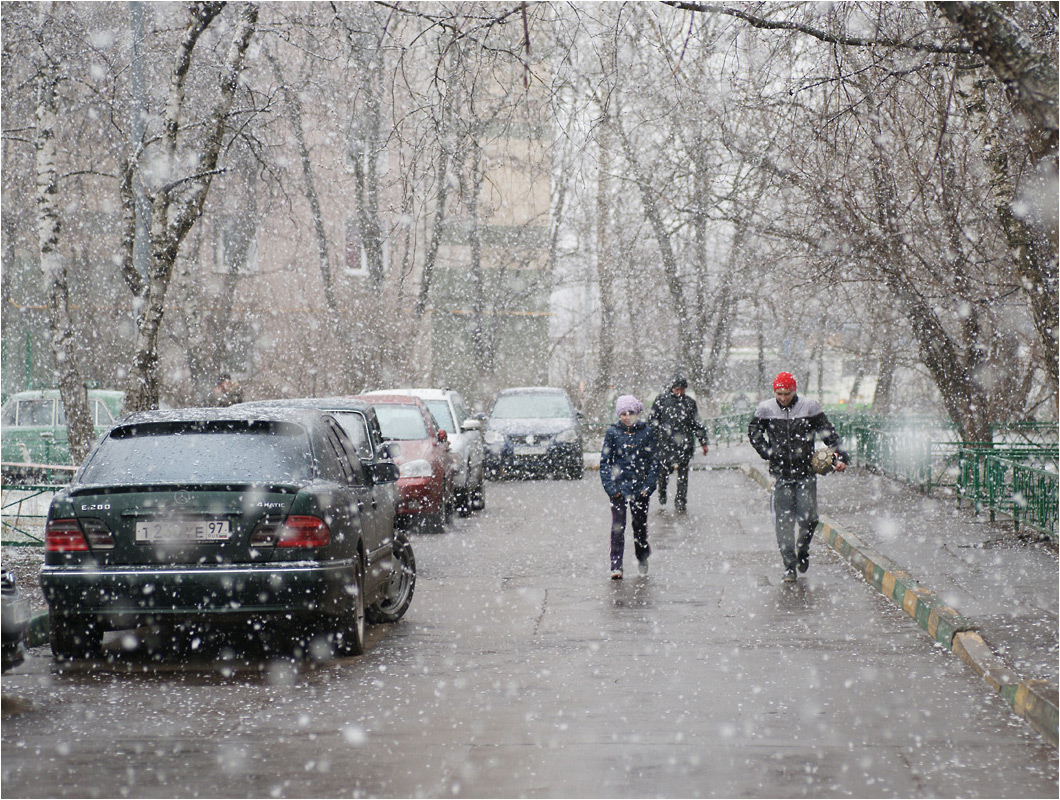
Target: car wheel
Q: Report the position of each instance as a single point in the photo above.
(398, 593)
(575, 472)
(433, 523)
(463, 503)
(477, 501)
(448, 502)
(349, 631)
(75, 636)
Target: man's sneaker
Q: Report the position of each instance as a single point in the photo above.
(616, 574)
(804, 563)
(789, 576)
(642, 567)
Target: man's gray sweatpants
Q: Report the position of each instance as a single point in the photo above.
(794, 503)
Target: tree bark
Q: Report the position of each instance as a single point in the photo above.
(605, 268)
(72, 391)
(173, 217)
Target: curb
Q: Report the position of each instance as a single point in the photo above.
(1034, 700)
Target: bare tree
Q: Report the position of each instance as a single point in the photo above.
(71, 385)
(177, 201)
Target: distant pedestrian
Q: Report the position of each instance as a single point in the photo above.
(628, 469)
(675, 421)
(783, 431)
(226, 393)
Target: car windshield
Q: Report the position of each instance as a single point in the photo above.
(357, 429)
(202, 452)
(440, 409)
(531, 406)
(401, 422)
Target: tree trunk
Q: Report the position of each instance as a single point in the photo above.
(605, 270)
(171, 219)
(649, 199)
(882, 400)
(79, 428)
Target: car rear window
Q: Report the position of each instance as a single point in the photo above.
(202, 452)
(531, 406)
(401, 422)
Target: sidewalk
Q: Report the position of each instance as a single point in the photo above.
(976, 587)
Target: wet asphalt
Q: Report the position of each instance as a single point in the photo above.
(521, 670)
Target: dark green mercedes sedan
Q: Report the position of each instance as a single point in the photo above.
(209, 515)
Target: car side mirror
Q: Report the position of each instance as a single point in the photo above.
(383, 472)
(471, 425)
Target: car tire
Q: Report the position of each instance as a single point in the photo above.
(463, 503)
(576, 471)
(433, 523)
(477, 499)
(349, 628)
(398, 594)
(448, 502)
(75, 636)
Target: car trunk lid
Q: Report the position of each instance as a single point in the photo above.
(180, 524)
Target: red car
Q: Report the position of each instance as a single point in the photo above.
(425, 481)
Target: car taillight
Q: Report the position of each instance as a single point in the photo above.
(99, 538)
(296, 531)
(64, 536)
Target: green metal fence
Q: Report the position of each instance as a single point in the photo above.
(24, 510)
(728, 429)
(1015, 475)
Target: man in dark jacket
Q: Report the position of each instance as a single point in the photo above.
(675, 421)
(783, 431)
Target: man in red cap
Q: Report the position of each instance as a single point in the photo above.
(783, 431)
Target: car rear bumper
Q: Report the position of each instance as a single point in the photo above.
(419, 496)
(191, 590)
(15, 619)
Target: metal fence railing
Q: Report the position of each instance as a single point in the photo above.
(1015, 475)
(23, 510)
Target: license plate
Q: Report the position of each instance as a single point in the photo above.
(526, 450)
(189, 531)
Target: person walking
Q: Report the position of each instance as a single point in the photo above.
(675, 422)
(628, 468)
(783, 431)
(226, 393)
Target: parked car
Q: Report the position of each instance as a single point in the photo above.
(465, 442)
(34, 427)
(533, 430)
(15, 612)
(228, 516)
(358, 419)
(425, 482)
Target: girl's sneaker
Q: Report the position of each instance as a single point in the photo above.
(642, 567)
(616, 574)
